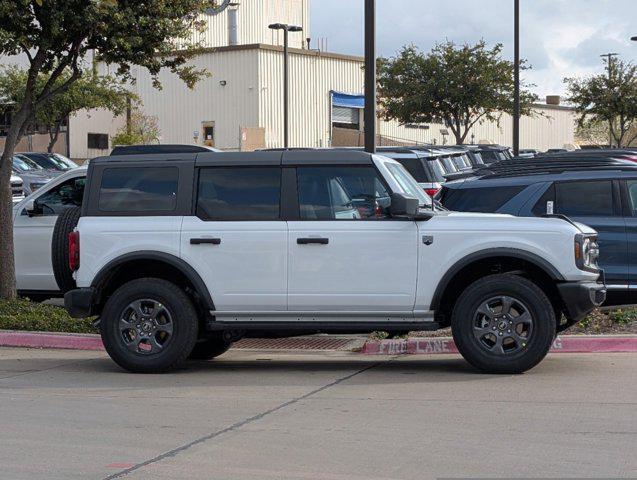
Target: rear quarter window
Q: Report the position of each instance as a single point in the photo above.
(139, 189)
(415, 168)
(483, 200)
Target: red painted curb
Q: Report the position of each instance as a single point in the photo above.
(51, 340)
(563, 344)
(411, 346)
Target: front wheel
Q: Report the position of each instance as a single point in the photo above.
(149, 325)
(503, 324)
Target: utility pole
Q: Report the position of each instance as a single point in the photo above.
(370, 76)
(516, 78)
(609, 57)
(286, 80)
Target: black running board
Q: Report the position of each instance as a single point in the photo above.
(323, 326)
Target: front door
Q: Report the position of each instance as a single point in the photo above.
(32, 234)
(237, 242)
(345, 253)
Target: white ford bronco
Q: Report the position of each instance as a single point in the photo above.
(181, 255)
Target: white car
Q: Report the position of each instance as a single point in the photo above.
(33, 220)
(180, 255)
(17, 192)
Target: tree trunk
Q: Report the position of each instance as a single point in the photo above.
(7, 262)
(53, 137)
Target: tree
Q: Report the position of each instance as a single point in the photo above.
(89, 91)
(142, 129)
(609, 98)
(459, 86)
(55, 37)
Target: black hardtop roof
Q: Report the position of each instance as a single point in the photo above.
(266, 158)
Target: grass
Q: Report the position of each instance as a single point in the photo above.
(22, 314)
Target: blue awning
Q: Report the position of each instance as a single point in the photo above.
(340, 99)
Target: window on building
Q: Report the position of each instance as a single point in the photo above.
(581, 199)
(98, 141)
(239, 193)
(346, 117)
(341, 193)
(139, 189)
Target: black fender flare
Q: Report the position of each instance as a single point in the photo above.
(190, 273)
(516, 253)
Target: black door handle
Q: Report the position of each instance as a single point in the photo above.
(205, 241)
(315, 240)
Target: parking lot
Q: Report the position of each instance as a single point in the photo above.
(337, 415)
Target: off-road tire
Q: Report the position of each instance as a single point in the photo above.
(520, 289)
(209, 348)
(184, 321)
(65, 224)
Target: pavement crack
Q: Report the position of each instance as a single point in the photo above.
(238, 425)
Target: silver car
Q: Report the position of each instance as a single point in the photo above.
(33, 176)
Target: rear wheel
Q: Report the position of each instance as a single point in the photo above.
(503, 324)
(149, 325)
(209, 348)
(65, 224)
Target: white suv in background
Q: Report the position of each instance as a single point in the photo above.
(180, 255)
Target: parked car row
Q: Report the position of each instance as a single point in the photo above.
(597, 190)
(36, 169)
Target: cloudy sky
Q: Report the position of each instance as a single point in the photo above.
(559, 38)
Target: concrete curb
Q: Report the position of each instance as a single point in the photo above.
(445, 345)
(411, 346)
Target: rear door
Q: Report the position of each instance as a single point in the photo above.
(346, 253)
(630, 216)
(596, 203)
(236, 240)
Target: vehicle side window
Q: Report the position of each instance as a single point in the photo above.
(139, 189)
(483, 200)
(65, 195)
(584, 198)
(542, 205)
(239, 193)
(632, 195)
(415, 168)
(341, 193)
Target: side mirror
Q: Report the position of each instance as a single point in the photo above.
(29, 207)
(403, 206)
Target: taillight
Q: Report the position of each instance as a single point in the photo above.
(74, 251)
(431, 191)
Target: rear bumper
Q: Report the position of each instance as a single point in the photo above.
(79, 302)
(580, 298)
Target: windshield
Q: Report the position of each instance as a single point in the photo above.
(65, 163)
(23, 164)
(407, 183)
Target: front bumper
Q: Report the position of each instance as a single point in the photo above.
(79, 302)
(580, 298)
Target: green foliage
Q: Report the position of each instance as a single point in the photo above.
(457, 85)
(610, 99)
(623, 316)
(21, 314)
(142, 130)
(87, 92)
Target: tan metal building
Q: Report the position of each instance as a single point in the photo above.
(240, 105)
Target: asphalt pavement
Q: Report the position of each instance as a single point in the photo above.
(260, 415)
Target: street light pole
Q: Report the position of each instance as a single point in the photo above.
(286, 77)
(370, 76)
(610, 57)
(516, 78)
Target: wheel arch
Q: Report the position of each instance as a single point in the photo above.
(149, 263)
(497, 260)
